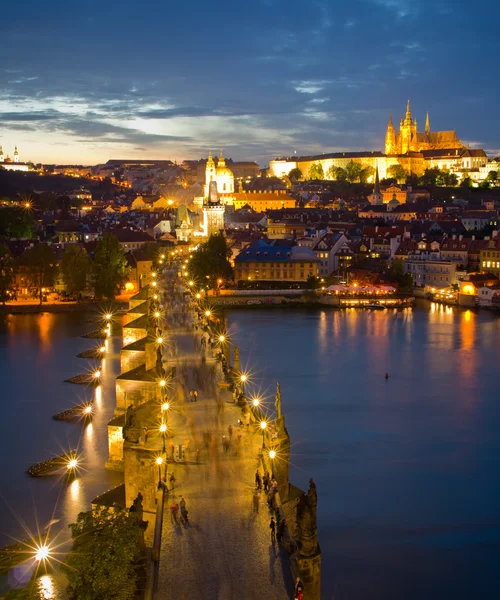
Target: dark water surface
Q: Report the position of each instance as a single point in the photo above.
(408, 470)
(37, 353)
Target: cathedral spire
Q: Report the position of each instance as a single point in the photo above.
(408, 110)
(376, 189)
(390, 138)
(427, 123)
(222, 162)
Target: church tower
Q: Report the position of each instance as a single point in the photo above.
(16, 155)
(427, 124)
(408, 132)
(224, 177)
(213, 211)
(390, 139)
(376, 197)
(209, 172)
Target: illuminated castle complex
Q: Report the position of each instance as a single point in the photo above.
(410, 140)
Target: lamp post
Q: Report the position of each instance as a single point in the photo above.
(263, 426)
(159, 462)
(163, 431)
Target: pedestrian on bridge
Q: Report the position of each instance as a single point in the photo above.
(230, 432)
(272, 527)
(258, 480)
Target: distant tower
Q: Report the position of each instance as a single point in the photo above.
(213, 211)
(407, 132)
(209, 172)
(376, 197)
(224, 177)
(2, 157)
(427, 123)
(16, 155)
(390, 139)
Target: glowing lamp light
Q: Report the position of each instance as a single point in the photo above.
(42, 553)
(243, 378)
(263, 425)
(198, 296)
(154, 284)
(163, 428)
(256, 402)
(87, 410)
(72, 464)
(159, 461)
(155, 297)
(157, 314)
(163, 383)
(222, 338)
(153, 274)
(165, 406)
(159, 340)
(102, 349)
(108, 316)
(191, 283)
(163, 256)
(129, 285)
(207, 313)
(97, 374)
(272, 454)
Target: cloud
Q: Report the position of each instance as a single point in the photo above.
(30, 116)
(310, 86)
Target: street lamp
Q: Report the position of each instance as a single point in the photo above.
(102, 349)
(272, 454)
(165, 406)
(108, 316)
(222, 338)
(198, 295)
(153, 274)
(163, 431)
(191, 283)
(159, 340)
(97, 374)
(154, 284)
(159, 462)
(162, 383)
(207, 313)
(263, 426)
(42, 553)
(157, 314)
(256, 402)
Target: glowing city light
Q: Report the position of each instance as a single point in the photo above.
(243, 378)
(198, 296)
(263, 425)
(159, 460)
(97, 374)
(159, 340)
(272, 454)
(163, 383)
(108, 316)
(87, 410)
(102, 349)
(72, 464)
(207, 313)
(163, 428)
(256, 402)
(153, 274)
(165, 406)
(42, 553)
(157, 314)
(154, 284)
(222, 338)
(191, 283)
(155, 297)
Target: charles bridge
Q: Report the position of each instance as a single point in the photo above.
(204, 449)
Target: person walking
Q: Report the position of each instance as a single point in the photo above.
(265, 481)
(299, 587)
(258, 480)
(256, 501)
(230, 432)
(272, 527)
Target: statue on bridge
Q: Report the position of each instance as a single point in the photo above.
(277, 401)
(132, 427)
(307, 531)
(137, 508)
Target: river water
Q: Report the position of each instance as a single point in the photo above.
(406, 469)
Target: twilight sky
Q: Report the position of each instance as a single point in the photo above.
(82, 82)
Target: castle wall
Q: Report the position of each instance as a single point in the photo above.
(134, 393)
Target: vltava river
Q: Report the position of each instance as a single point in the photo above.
(408, 469)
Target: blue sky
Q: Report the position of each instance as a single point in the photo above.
(81, 82)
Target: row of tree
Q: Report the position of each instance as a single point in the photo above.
(107, 271)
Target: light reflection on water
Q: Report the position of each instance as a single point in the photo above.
(37, 353)
(406, 468)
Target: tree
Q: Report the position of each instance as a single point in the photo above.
(397, 273)
(316, 171)
(492, 176)
(211, 261)
(7, 273)
(430, 177)
(40, 263)
(466, 182)
(75, 268)
(295, 174)
(110, 267)
(366, 173)
(15, 222)
(397, 172)
(353, 171)
(107, 544)
(337, 173)
(312, 282)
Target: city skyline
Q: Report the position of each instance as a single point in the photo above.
(173, 82)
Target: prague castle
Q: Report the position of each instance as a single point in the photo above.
(414, 150)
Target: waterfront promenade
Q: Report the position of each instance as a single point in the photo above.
(225, 551)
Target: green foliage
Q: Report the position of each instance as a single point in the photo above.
(397, 172)
(110, 267)
(15, 222)
(485, 185)
(430, 176)
(295, 174)
(466, 182)
(75, 268)
(366, 173)
(100, 566)
(353, 171)
(7, 273)
(211, 262)
(492, 176)
(397, 273)
(312, 282)
(30, 592)
(336, 173)
(40, 262)
(316, 171)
